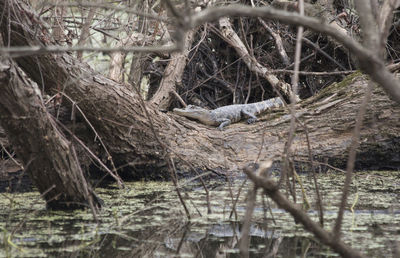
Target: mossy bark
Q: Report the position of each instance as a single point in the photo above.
(47, 156)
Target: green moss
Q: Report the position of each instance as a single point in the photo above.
(149, 217)
(338, 88)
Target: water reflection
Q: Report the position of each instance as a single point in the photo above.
(220, 240)
(146, 219)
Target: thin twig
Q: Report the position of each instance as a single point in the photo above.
(97, 136)
(313, 73)
(98, 160)
(245, 236)
(13, 52)
(319, 197)
(11, 156)
(271, 189)
(236, 200)
(323, 53)
(352, 158)
(174, 179)
(167, 156)
(278, 42)
(293, 99)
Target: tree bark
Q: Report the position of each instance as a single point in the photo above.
(48, 157)
(173, 75)
(139, 138)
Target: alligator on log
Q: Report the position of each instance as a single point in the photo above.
(224, 116)
(329, 119)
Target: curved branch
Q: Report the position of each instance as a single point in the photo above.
(272, 190)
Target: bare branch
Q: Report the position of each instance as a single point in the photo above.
(385, 20)
(369, 61)
(271, 189)
(371, 35)
(233, 39)
(212, 14)
(295, 77)
(86, 30)
(279, 71)
(107, 6)
(309, 42)
(35, 50)
(118, 58)
(173, 74)
(278, 42)
(352, 158)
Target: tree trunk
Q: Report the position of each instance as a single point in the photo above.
(138, 134)
(48, 157)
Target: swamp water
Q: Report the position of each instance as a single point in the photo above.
(146, 219)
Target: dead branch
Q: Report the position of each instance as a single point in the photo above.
(278, 42)
(369, 62)
(352, 159)
(385, 20)
(173, 74)
(117, 58)
(270, 187)
(85, 32)
(233, 39)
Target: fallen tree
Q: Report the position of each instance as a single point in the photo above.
(133, 130)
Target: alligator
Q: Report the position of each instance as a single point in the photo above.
(226, 115)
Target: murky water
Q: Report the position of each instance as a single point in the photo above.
(147, 219)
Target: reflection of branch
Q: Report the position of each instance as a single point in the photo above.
(271, 189)
(244, 242)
